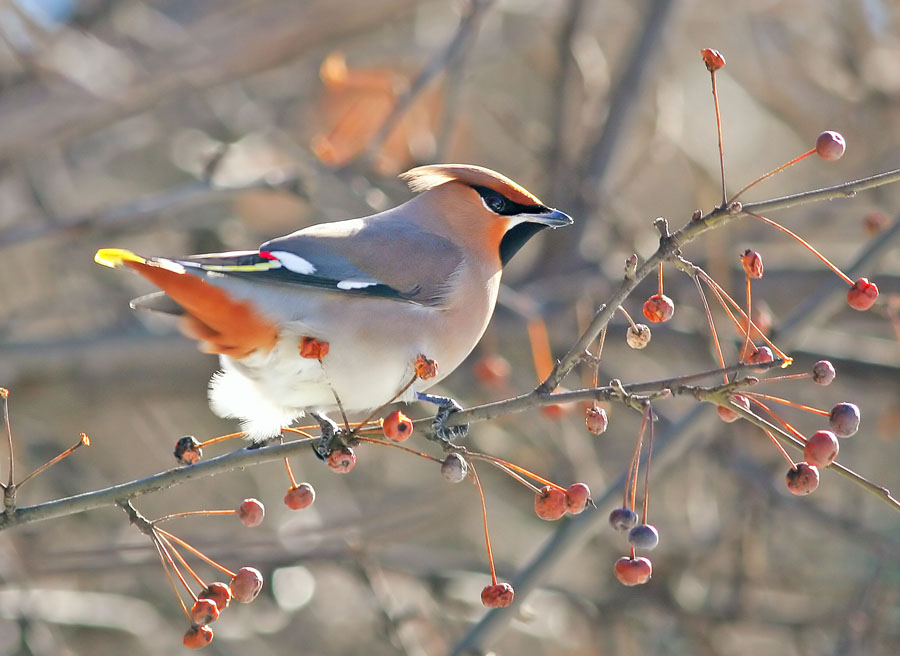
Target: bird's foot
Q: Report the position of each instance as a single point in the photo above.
(332, 435)
(446, 407)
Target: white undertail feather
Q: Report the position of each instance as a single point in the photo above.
(233, 396)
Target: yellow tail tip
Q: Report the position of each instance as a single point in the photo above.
(113, 257)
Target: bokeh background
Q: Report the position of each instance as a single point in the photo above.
(176, 126)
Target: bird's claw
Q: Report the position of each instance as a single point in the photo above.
(331, 435)
(441, 432)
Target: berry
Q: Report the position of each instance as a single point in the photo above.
(492, 370)
(204, 611)
(251, 512)
(187, 450)
(633, 571)
(821, 448)
(550, 503)
(246, 584)
(763, 355)
(802, 479)
(844, 419)
(713, 59)
(197, 637)
(397, 426)
(424, 367)
(659, 308)
(577, 497)
(623, 519)
(644, 536)
(300, 497)
(823, 372)
(638, 336)
(874, 223)
(727, 414)
(596, 420)
(342, 459)
(830, 145)
(454, 468)
(752, 263)
(499, 595)
(217, 592)
(862, 294)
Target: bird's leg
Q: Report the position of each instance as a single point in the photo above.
(331, 434)
(446, 407)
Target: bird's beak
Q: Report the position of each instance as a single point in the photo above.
(552, 218)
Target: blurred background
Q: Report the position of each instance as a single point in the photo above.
(182, 126)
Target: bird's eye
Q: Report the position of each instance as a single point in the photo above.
(495, 203)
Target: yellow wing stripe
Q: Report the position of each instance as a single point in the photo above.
(259, 266)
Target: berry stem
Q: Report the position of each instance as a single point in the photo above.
(169, 576)
(627, 316)
(745, 349)
(634, 469)
(82, 441)
(378, 411)
(781, 448)
(394, 445)
(771, 173)
(199, 554)
(193, 513)
(287, 466)
(660, 276)
(487, 538)
(775, 416)
(220, 438)
(712, 325)
(4, 396)
(184, 564)
(648, 417)
(163, 544)
(799, 406)
(715, 94)
(805, 243)
(515, 468)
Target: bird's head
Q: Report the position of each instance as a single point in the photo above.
(485, 205)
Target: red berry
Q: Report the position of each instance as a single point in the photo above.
(802, 479)
(197, 637)
(499, 595)
(844, 419)
(633, 571)
(821, 448)
(823, 372)
(550, 503)
(492, 370)
(187, 450)
(659, 308)
(218, 592)
(425, 368)
(312, 348)
(763, 355)
(830, 145)
(251, 512)
(577, 497)
(204, 611)
(342, 459)
(397, 426)
(454, 468)
(862, 295)
(596, 420)
(638, 336)
(246, 584)
(727, 414)
(300, 497)
(623, 519)
(752, 263)
(713, 59)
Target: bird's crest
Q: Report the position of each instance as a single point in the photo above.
(424, 178)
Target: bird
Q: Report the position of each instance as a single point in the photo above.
(342, 315)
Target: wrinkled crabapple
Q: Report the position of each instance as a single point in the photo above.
(844, 419)
(251, 512)
(498, 595)
(802, 479)
(550, 503)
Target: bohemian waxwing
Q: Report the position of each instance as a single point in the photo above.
(418, 279)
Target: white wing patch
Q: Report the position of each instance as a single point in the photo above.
(295, 263)
(355, 284)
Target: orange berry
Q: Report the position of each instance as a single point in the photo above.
(300, 497)
(217, 592)
(713, 59)
(499, 595)
(251, 512)
(550, 503)
(633, 571)
(578, 495)
(752, 263)
(397, 426)
(862, 294)
(313, 348)
(197, 637)
(246, 584)
(342, 460)
(187, 450)
(659, 308)
(425, 368)
(204, 611)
